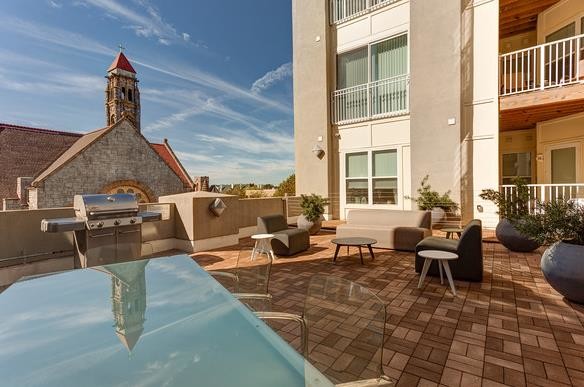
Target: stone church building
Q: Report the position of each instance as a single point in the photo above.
(42, 168)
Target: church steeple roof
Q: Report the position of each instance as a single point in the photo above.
(122, 63)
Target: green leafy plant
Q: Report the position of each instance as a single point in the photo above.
(553, 221)
(287, 186)
(512, 206)
(428, 199)
(313, 206)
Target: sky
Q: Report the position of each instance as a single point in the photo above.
(215, 76)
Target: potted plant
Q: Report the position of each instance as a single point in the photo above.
(431, 200)
(312, 211)
(513, 208)
(561, 224)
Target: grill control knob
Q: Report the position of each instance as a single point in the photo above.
(100, 225)
(116, 222)
(132, 221)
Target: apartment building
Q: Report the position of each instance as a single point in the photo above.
(389, 91)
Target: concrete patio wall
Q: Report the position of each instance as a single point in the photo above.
(197, 229)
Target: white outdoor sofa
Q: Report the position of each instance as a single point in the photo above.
(397, 230)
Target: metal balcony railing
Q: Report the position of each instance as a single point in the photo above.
(342, 10)
(547, 192)
(384, 98)
(544, 66)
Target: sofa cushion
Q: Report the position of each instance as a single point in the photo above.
(388, 237)
(290, 241)
(378, 217)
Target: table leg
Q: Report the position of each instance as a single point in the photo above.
(449, 276)
(371, 252)
(254, 250)
(361, 255)
(347, 250)
(427, 263)
(440, 270)
(448, 235)
(336, 253)
(459, 234)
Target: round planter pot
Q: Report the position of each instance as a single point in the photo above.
(312, 227)
(562, 267)
(512, 239)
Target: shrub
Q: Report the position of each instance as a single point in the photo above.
(428, 199)
(287, 186)
(554, 221)
(313, 206)
(513, 206)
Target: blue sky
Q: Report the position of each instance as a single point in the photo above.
(215, 76)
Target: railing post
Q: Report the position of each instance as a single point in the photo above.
(578, 58)
(541, 67)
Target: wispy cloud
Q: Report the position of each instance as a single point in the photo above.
(52, 83)
(272, 77)
(145, 23)
(54, 4)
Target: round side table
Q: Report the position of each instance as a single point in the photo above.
(442, 257)
(263, 245)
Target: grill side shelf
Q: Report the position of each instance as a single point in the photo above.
(62, 224)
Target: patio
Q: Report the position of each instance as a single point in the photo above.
(511, 329)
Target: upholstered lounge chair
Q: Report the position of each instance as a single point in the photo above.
(469, 265)
(287, 241)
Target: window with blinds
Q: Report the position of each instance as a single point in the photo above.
(389, 58)
(352, 68)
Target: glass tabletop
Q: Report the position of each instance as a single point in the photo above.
(158, 322)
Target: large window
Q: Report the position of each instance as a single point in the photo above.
(372, 177)
(516, 165)
(372, 81)
(386, 59)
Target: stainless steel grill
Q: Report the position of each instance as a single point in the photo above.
(107, 228)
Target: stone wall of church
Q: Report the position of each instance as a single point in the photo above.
(121, 154)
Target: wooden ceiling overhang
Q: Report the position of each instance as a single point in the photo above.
(523, 111)
(517, 16)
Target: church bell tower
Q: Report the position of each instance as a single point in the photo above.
(122, 97)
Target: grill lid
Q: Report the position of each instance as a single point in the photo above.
(91, 206)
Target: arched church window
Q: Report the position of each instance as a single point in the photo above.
(130, 95)
(127, 187)
(123, 93)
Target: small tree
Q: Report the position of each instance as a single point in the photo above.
(313, 206)
(428, 199)
(287, 186)
(237, 190)
(513, 206)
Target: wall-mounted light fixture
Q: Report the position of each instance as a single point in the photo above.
(318, 151)
(217, 207)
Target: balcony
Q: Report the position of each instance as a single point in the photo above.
(343, 10)
(541, 83)
(545, 66)
(384, 98)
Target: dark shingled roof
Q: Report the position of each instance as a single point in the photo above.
(26, 152)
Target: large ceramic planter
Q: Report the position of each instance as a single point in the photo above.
(312, 227)
(512, 239)
(562, 265)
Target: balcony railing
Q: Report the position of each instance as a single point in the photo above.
(384, 98)
(541, 67)
(342, 10)
(547, 192)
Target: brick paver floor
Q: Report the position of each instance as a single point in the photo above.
(510, 329)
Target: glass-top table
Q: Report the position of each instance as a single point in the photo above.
(158, 322)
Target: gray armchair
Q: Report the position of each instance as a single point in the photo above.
(287, 241)
(469, 265)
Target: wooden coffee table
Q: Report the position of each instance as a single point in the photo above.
(354, 241)
(450, 231)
